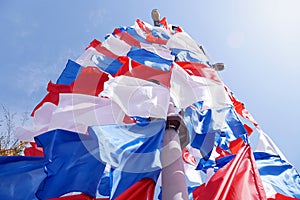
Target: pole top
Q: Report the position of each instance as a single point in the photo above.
(155, 17)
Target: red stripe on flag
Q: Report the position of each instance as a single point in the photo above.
(238, 179)
(143, 189)
(103, 50)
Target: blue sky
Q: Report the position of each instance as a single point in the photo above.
(257, 40)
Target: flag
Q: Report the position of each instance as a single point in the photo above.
(138, 97)
(281, 175)
(145, 30)
(238, 179)
(72, 163)
(150, 59)
(53, 94)
(137, 70)
(158, 50)
(70, 73)
(188, 89)
(20, 176)
(198, 69)
(34, 150)
(143, 189)
(266, 144)
(107, 64)
(122, 35)
(74, 112)
(89, 81)
(133, 151)
(183, 55)
(278, 175)
(116, 46)
(240, 108)
(97, 45)
(183, 41)
(212, 127)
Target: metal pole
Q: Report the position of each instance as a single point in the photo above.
(173, 177)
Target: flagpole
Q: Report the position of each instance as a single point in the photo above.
(174, 185)
(173, 177)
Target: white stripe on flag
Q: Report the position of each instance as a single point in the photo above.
(138, 97)
(75, 112)
(186, 90)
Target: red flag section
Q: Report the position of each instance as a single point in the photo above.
(240, 108)
(90, 81)
(238, 179)
(134, 69)
(199, 69)
(127, 38)
(53, 94)
(34, 150)
(282, 197)
(103, 50)
(188, 158)
(143, 189)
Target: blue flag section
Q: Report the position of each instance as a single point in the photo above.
(281, 175)
(69, 74)
(107, 64)
(72, 163)
(212, 127)
(132, 150)
(20, 177)
(149, 59)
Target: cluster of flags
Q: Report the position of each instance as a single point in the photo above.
(100, 130)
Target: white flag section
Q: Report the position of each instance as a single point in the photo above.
(85, 59)
(184, 41)
(158, 50)
(75, 112)
(116, 46)
(139, 31)
(265, 144)
(138, 97)
(186, 90)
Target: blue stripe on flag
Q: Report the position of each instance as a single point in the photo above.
(70, 73)
(73, 163)
(133, 151)
(20, 176)
(149, 59)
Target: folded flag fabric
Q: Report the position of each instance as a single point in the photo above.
(188, 89)
(70, 73)
(94, 58)
(150, 59)
(137, 70)
(183, 41)
(72, 163)
(133, 151)
(53, 94)
(238, 179)
(89, 81)
(33, 150)
(163, 52)
(212, 128)
(116, 46)
(74, 112)
(281, 175)
(126, 37)
(20, 176)
(138, 97)
(266, 144)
